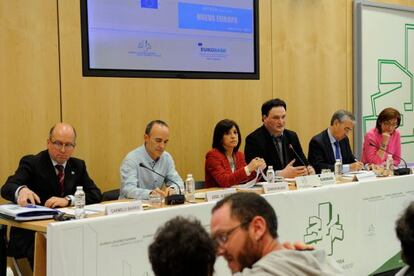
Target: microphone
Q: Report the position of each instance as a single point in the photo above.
(298, 157)
(399, 171)
(170, 199)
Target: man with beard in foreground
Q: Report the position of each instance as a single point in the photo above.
(244, 227)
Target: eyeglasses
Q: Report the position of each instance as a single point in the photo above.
(221, 238)
(390, 124)
(59, 145)
(347, 129)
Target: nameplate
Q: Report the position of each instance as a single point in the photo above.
(307, 181)
(366, 175)
(219, 194)
(123, 207)
(327, 178)
(269, 188)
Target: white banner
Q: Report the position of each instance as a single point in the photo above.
(353, 222)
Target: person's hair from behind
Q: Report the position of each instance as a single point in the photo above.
(223, 127)
(245, 206)
(267, 106)
(182, 247)
(342, 115)
(405, 233)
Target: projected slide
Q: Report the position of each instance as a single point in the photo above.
(191, 35)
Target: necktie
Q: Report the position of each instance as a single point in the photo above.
(278, 144)
(61, 177)
(337, 150)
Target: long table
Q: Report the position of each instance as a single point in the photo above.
(353, 222)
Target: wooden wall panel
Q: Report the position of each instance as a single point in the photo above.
(310, 58)
(111, 113)
(29, 83)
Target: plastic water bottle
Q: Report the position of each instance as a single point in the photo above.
(79, 202)
(389, 165)
(189, 188)
(270, 174)
(338, 167)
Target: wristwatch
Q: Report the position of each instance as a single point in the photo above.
(69, 200)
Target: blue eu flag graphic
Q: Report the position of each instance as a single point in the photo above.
(149, 4)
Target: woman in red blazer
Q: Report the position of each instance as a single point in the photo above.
(225, 165)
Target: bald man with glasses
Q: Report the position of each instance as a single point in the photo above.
(48, 178)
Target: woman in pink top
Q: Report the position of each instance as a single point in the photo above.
(384, 139)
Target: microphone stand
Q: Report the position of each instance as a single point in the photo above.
(169, 199)
(399, 171)
(300, 159)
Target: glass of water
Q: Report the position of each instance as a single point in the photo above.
(325, 171)
(155, 200)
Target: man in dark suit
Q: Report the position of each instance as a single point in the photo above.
(275, 144)
(333, 143)
(48, 178)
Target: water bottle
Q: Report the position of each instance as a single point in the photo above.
(338, 167)
(189, 188)
(270, 175)
(389, 165)
(79, 202)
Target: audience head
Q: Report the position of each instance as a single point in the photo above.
(156, 137)
(342, 122)
(182, 247)
(405, 233)
(241, 225)
(226, 136)
(61, 142)
(388, 120)
(274, 116)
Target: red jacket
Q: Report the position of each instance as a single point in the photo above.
(218, 172)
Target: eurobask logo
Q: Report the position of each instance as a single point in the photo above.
(325, 229)
(211, 53)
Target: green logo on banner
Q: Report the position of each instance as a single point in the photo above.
(395, 79)
(324, 229)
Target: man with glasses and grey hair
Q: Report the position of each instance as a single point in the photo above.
(244, 228)
(333, 143)
(48, 178)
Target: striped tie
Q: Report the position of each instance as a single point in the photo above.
(61, 177)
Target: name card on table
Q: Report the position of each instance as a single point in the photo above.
(123, 207)
(219, 194)
(365, 175)
(269, 188)
(307, 181)
(327, 178)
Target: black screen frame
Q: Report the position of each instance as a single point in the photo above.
(87, 71)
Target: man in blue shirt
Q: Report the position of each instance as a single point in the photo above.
(139, 182)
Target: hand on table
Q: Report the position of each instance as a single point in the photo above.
(27, 196)
(56, 202)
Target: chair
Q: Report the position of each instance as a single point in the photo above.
(199, 184)
(3, 251)
(110, 195)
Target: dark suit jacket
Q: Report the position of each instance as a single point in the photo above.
(321, 155)
(259, 143)
(39, 175)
